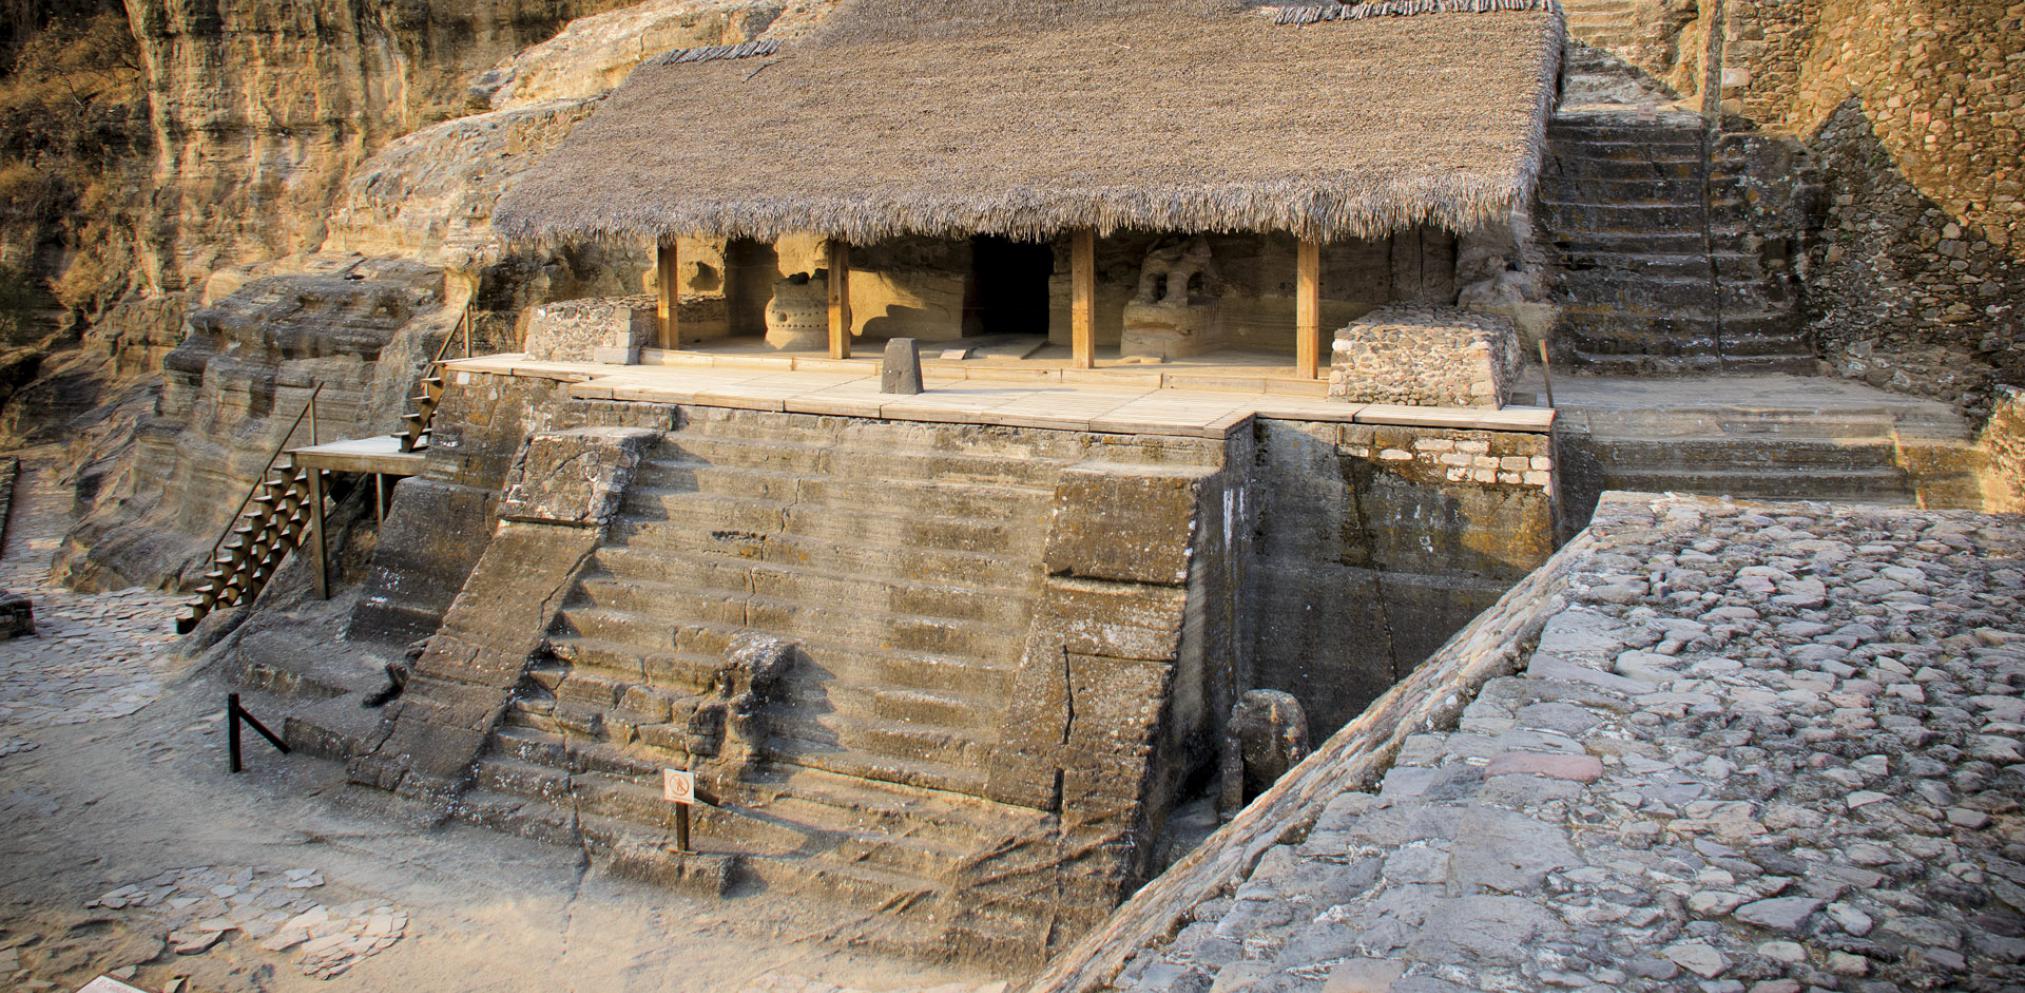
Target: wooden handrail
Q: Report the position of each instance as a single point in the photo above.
(308, 411)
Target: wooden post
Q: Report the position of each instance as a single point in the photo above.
(318, 559)
(840, 299)
(1083, 298)
(1308, 310)
(668, 294)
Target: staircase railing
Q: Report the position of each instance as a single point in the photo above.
(424, 402)
(308, 412)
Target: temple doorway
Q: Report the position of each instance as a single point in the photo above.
(1007, 292)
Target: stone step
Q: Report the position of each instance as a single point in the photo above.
(1560, 170)
(814, 705)
(742, 821)
(627, 578)
(1569, 217)
(1013, 567)
(1688, 241)
(941, 496)
(657, 623)
(889, 668)
(1644, 364)
(1735, 452)
(852, 462)
(852, 433)
(1885, 485)
(1680, 191)
(1007, 532)
(1646, 294)
(1730, 266)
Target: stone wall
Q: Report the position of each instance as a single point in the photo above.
(2003, 444)
(1425, 356)
(1374, 544)
(1913, 114)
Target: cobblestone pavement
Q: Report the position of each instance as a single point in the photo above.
(1763, 749)
(94, 656)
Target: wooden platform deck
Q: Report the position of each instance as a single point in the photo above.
(1206, 401)
(379, 454)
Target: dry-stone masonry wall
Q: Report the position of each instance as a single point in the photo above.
(1428, 356)
(2003, 443)
(1757, 748)
(1911, 114)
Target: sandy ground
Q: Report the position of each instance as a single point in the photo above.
(126, 845)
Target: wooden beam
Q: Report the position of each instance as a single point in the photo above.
(840, 299)
(1308, 310)
(319, 557)
(1083, 298)
(668, 294)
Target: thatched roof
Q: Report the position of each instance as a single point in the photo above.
(1028, 117)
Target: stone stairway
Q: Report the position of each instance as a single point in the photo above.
(1658, 269)
(903, 562)
(1602, 23)
(1762, 437)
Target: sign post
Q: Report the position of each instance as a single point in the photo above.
(679, 788)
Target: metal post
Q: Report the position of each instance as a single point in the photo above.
(379, 498)
(232, 730)
(682, 828)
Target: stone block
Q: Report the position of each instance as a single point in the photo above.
(574, 476)
(597, 329)
(900, 369)
(1129, 524)
(1425, 356)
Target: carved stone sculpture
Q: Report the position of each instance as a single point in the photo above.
(798, 316)
(1175, 313)
(1268, 734)
(727, 727)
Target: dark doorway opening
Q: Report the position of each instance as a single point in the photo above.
(1007, 292)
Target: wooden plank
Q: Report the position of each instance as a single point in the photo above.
(1083, 298)
(668, 294)
(1432, 697)
(1308, 310)
(840, 299)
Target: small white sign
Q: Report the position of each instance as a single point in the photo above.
(678, 786)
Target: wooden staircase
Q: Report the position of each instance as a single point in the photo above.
(415, 423)
(285, 508)
(270, 522)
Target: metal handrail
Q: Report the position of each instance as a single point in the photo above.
(308, 411)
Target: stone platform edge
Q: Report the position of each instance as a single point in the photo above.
(846, 389)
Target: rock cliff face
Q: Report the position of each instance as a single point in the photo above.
(309, 200)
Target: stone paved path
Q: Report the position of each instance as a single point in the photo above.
(1762, 749)
(95, 655)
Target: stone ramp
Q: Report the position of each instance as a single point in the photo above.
(1763, 746)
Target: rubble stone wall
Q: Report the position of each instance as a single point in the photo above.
(1427, 356)
(2003, 444)
(1912, 113)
